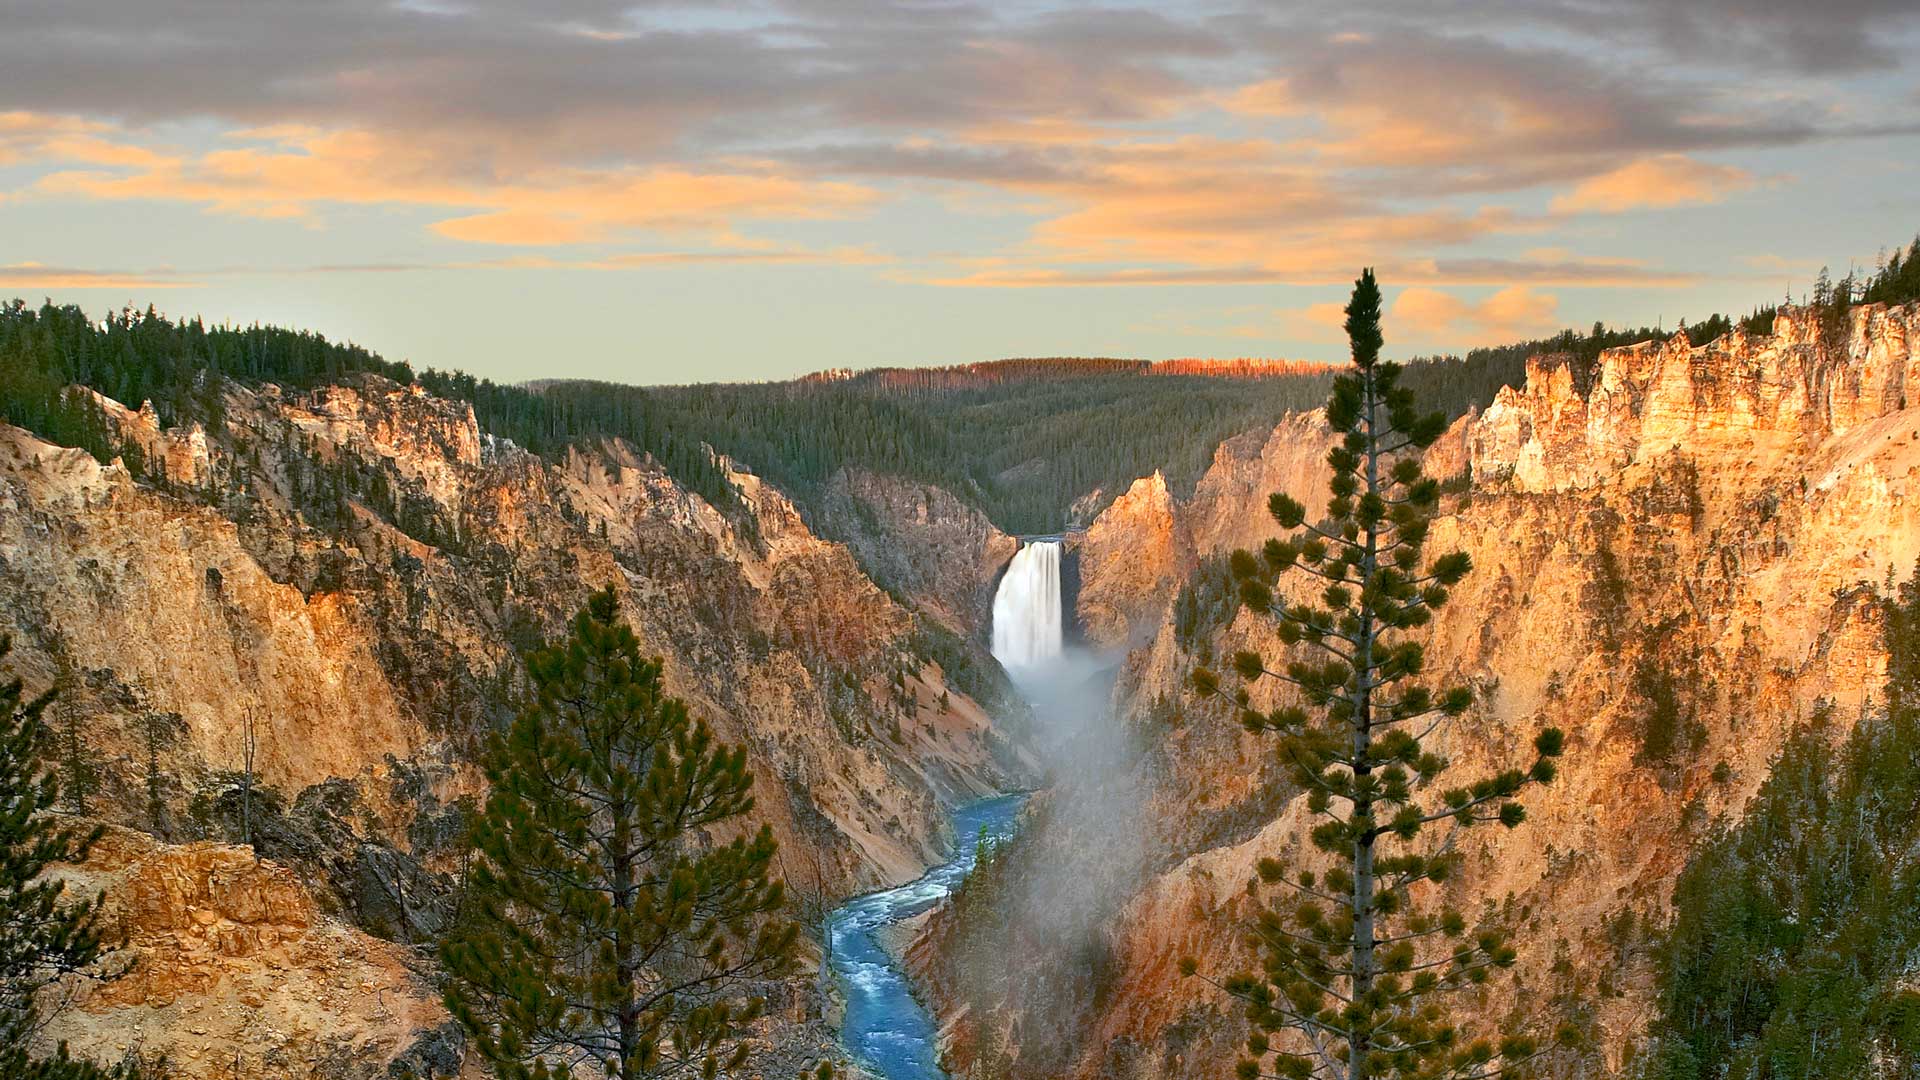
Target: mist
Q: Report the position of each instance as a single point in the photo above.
(1028, 939)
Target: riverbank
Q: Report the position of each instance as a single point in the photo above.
(885, 1028)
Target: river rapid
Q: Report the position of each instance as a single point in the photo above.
(886, 1030)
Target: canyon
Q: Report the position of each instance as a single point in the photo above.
(334, 583)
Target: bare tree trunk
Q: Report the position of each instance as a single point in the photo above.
(1363, 883)
(247, 746)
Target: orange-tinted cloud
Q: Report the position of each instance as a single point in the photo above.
(35, 275)
(297, 172)
(1432, 316)
(1388, 132)
(1654, 183)
(32, 276)
(1316, 322)
(1204, 209)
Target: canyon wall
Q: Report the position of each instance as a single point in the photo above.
(920, 541)
(346, 573)
(1676, 553)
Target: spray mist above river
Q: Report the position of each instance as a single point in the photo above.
(1094, 808)
(885, 1028)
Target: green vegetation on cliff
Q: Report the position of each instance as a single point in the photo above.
(1795, 932)
(45, 934)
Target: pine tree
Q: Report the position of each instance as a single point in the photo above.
(605, 936)
(1353, 974)
(43, 935)
(77, 762)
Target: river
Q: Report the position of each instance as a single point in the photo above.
(886, 1029)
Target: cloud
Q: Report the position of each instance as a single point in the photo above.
(1557, 270)
(538, 80)
(1834, 37)
(1493, 115)
(31, 276)
(1553, 269)
(1201, 209)
(1442, 318)
(1769, 38)
(1324, 322)
(1654, 183)
(1237, 142)
(298, 172)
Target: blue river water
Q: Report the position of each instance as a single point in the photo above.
(886, 1029)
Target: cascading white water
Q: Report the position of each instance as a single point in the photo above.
(1026, 610)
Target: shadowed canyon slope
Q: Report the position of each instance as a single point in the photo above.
(349, 571)
(1675, 553)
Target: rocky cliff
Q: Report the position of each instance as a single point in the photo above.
(340, 579)
(1132, 560)
(921, 541)
(1675, 551)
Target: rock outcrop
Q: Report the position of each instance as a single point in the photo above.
(226, 968)
(1132, 560)
(1676, 556)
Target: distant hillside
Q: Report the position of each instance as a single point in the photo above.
(1021, 439)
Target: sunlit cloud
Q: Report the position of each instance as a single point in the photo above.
(32, 276)
(1443, 318)
(954, 145)
(1323, 322)
(1654, 183)
(1566, 271)
(299, 172)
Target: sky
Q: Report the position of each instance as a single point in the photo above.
(674, 192)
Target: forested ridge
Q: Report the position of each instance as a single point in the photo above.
(1021, 439)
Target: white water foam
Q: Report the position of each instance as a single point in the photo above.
(1026, 609)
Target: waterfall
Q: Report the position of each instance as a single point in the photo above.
(1026, 610)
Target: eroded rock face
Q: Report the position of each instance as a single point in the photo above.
(1771, 398)
(349, 571)
(1132, 560)
(1689, 536)
(922, 541)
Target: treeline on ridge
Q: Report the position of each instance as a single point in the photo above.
(1020, 439)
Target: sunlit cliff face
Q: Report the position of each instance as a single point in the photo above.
(1708, 525)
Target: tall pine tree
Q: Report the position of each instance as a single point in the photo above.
(43, 933)
(604, 935)
(1353, 972)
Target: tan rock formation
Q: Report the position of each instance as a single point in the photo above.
(230, 971)
(1132, 560)
(1709, 521)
